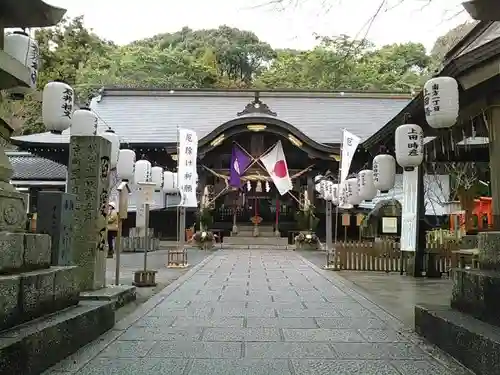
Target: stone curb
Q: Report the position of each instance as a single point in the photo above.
(365, 300)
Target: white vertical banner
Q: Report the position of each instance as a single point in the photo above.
(186, 167)
(350, 143)
(409, 211)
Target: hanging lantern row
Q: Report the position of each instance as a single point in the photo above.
(441, 103)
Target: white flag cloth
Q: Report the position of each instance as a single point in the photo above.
(275, 163)
(350, 143)
(186, 167)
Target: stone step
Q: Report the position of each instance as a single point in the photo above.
(29, 295)
(255, 241)
(257, 247)
(32, 348)
(468, 340)
(249, 233)
(24, 252)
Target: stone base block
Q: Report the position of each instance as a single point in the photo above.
(119, 295)
(473, 343)
(136, 244)
(469, 241)
(34, 347)
(477, 292)
(24, 252)
(29, 295)
(144, 279)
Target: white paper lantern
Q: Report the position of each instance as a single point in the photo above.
(409, 142)
(441, 102)
(170, 182)
(317, 185)
(58, 99)
(366, 187)
(126, 165)
(111, 136)
(384, 172)
(142, 171)
(24, 49)
(344, 195)
(327, 190)
(335, 194)
(84, 123)
(353, 192)
(157, 176)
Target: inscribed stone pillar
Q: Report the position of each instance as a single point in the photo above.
(494, 151)
(56, 211)
(88, 179)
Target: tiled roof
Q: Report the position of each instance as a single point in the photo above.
(148, 116)
(34, 168)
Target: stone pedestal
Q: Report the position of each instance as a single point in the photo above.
(88, 180)
(469, 329)
(488, 244)
(56, 218)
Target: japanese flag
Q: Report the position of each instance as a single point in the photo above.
(275, 163)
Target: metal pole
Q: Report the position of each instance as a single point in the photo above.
(118, 250)
(182, 226)
(146, 236)
(328, 225)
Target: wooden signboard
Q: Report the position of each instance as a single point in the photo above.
(346, 220)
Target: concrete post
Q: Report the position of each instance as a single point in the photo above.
(88, 179)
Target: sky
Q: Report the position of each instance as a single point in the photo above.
(293, 27)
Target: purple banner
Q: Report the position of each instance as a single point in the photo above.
(240, 160)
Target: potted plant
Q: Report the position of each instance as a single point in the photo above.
(306, 241)
(307, 223)
(205, 218)
(256, 220)
(204, 240)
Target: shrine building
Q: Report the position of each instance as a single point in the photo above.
(308, 123)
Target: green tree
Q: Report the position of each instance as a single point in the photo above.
(343, 63)
(64, 50)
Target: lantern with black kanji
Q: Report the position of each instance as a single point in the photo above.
(409, 142)
(126, 165)
(111, 136)
(335, 194)
(157, 176)
(58, 99)
(384, 172)
(367, 190)
(353, 192)
(317, 183)
(170, 182)
(25, 49)
(441, 102)
(142, 171)
(327, 190)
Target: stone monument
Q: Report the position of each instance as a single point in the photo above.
(469, 328)
(88, 180)
(40, 313)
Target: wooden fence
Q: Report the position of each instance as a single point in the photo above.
(384, 256)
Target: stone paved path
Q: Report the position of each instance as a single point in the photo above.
(259, 313)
